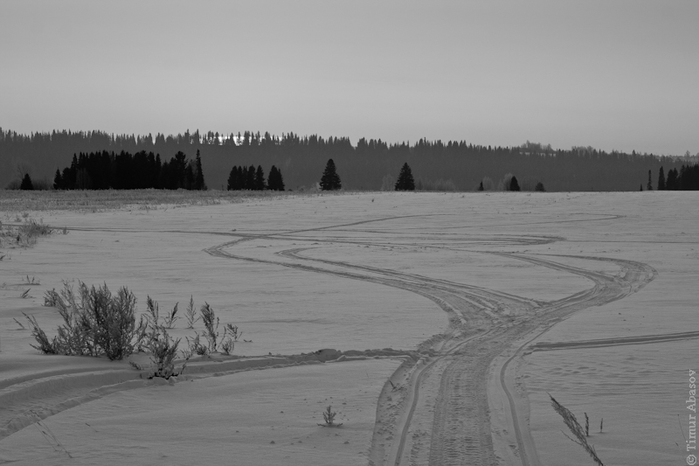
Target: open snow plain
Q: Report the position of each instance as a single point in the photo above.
(457, 315)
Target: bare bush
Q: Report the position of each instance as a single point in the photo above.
(95, 322)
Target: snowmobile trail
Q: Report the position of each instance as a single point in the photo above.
(457, 365)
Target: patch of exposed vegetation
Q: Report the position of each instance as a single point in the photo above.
(99, 323)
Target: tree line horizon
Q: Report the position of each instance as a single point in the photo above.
(368, 165)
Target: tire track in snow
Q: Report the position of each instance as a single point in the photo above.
(618, 341)
(451, 443)
(635, 275)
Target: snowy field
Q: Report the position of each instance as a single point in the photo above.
(456, 314)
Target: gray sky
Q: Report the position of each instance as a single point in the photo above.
(611, 74)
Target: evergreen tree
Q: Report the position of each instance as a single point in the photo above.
(250, 178)
(672, 182)
(199, 183)
(661, 180)
(26, 183)
(58, 180)
(539, 187)
(514, 185)
(650, 186)
(330, 180)
(233, 179)
(275, 181)
(480, 186)
(188, 182)
(405, 179)
(259, 179)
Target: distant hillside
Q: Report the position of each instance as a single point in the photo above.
(365, 166)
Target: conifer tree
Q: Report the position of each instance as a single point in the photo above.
(26, 183)
(405, 179)
(672, 182)
(275, 182)
(650, 186)
(259, 179)
(514, 185)
(199, 183)
(234, 179)
(480, 186)
(58, 180)
(250, 178)
(330, 180)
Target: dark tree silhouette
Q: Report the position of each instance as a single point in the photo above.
(330, 180)
(405, 179)
(259, 179)
(514, 185)
(58, 180)
(480, 186)
(275, 182)
(672, 182)
(234, 183)
(650, 186)
(661, 179)
(26, 183)
(539, 187)
(250, 178)
(199, 183)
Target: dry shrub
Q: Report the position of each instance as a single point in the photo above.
(95, 322)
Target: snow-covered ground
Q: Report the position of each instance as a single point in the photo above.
(461, 284)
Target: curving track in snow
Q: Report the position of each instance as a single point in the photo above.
(438, 414)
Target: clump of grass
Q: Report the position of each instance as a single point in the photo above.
(211, 323)
(31, 281)
(191, 313)
(26, 233)
(231, 332)
(329, 418)
(576, 429)
(95, 322)
(196, 347)
(46, 346)
(168, 321)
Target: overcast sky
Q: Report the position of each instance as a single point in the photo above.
(611, 74)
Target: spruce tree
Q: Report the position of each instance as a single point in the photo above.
(250, 178)
(514, 185)
(259, 179)
(480, 186)
(275, 181)
(672, 182)
(199, 183)
(330, 180)
(58, 180)
(26, 183)
(234, 179)
(650, 186)
(405, 179)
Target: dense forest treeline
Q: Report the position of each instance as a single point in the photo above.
(369, 165)
(109, 170)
